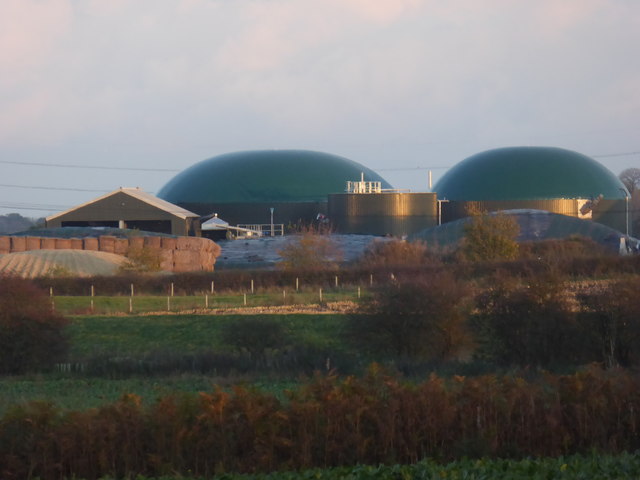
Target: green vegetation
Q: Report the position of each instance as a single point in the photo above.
(31, 336)
(110, 305)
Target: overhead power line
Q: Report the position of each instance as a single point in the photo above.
(91, 167)
(32, 187)
(625, 154)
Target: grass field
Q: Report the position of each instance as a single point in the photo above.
(139, 335)
(111, 305)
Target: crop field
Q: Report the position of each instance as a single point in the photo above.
(111, 305)
(574, 467)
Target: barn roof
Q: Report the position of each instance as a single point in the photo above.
(138, 194)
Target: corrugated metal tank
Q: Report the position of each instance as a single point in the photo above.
(389, 213)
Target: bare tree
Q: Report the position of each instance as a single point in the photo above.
(631, 179)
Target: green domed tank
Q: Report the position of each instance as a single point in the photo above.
(242, 186)
(543, 178)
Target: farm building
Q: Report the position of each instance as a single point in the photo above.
(542, 178)
(243, 187)
(130, 208)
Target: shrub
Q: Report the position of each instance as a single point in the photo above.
(612, 317)
(310, 251)
(255, 335)
(528, 324)
(418, 319)
(490, 237)
(142, 260)
(31, 335)
(395, 253)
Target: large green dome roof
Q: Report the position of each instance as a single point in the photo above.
(528, 173)
(265, 176)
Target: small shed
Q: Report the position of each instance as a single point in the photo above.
(131, 208)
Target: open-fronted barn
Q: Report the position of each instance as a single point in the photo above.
(130, 208)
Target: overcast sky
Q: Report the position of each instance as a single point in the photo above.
(400, 86)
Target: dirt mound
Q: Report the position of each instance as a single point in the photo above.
(42, 263)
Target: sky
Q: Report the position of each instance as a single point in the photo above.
(98, 94)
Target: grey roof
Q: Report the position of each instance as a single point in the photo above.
(138, 194)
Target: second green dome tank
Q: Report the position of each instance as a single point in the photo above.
(528, 173)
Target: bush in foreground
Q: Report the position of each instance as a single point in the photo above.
(31, 335)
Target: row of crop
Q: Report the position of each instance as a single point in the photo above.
(329, 422)
(573, 467)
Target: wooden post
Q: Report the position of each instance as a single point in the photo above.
(336, 281)
(130, 304)
(358, 292)
(284, 296)
(51, 291)
(252, 285)
(213, 287)
(320, 295)
(245, 299)
(168, 303)
(371, 279)
(132, 290)
(93, 291)
(297, 283)
(206, 301)
(172, 289)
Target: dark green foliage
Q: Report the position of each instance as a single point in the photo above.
(31, 336)
(490, 237)
(255, 335)
(420, 318)
(528, 324)
(611, 314)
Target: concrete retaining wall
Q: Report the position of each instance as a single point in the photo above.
(182, 254)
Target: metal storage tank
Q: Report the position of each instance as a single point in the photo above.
(367, 209)
(242, 187)
(543, 178)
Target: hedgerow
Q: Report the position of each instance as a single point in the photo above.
(329, 422)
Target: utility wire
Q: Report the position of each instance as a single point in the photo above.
(92, 167)
(55, 188)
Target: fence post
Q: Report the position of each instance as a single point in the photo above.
(130, 304)
(172, 289)
(206, 301)
(336, 281)
(168, 303)
(320, 295)
(132, 290)
(297, 284)
(371, 279)
(213, 287)
(245, 299)
(252, 285)
(358, 292)
(284, 296)
(51, 291)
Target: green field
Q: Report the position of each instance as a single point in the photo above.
(139, 335)
(111, 305)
